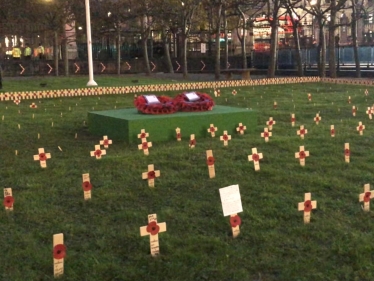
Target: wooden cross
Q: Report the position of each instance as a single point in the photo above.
(266, 134)
(347, 152)
(42, 157)
(145, 145)
(235, 222)
(366, 196)
(143, 134)
(210, 162)
(302, 154)
(217, 92)
(212, 130)
(307, 206)
(8, 199)
(98, 152)
(105, 142)
(234, 92)
(369, 112)
(255, 157)
(360, 128)
(317, 118)
(192, 142)
(302, 132)
(59, 253)
(332, 131)
(310, 97)
(366, 92)
(270, 123)
(179, 135)
(225, 138)
(275, 105)
(152, 229)
(293, 119)
(33, 105)
(87, 186)
(354, 110)
(151, 175)
(241, 129)
(349, 99)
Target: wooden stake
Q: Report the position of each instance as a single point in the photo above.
(151, 175)
(235, 222)
(354, 110)
(192, 143)
(210, 163)
(87, 186)
(255, 157)
(310, 97)
(8, 199)
(366, 196)
(152, 229)
(178, 134)
(59, 252)
(307, 206)
(332, 131)
(293, 119)
(347, 152)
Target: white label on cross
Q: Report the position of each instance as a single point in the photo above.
(192, 96)
(151, 99)
(231, 200)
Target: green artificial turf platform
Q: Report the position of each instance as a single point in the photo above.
(125, 124)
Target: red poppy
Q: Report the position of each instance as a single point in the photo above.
(307, 206)
(317, 119)
(241, 128)
(354, 110)
(225, 137)
(301, 154)
(347, 152)
(235, 221)
(8, 201)
(106, 142)
(153, 228)
(42, 157)
(302, 132)
(266, 134)
(179, 135)
(87, 186)
(293, 119)
(367, 196)
(151, 175)
(332, 132)
(193, 142)
(59, 251)
(270, 122)
(145, 145)
(255, 157)
(212, 130)
(142, 135)
(210, 161)
(360, 128)
(98, 152)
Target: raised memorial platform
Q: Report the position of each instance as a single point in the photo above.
(125, 124)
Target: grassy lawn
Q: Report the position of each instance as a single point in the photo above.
(102, 235)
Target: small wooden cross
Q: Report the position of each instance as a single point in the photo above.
(301, 155)
(212, 130)
(366, 196)
(8, 199)
(42, 157)
(241, 129)
(105, 142)
(360, 128)
(210, 162)
(98, 152)
(192, 142)
(225, 138)
(302, 132)
(255, 157)
(59, 253)
(151, 175)
(235, 222)
(270, 123)
(87, 186)
(178, 134)
(143, 134)
(354, 110)
(234, 92)
(307, 206)
(369, 112)
(145, 145)
(347, 152)
(33, 105)
(152, 229)
(366, 92)
(349, 99)
(310, 97)
(217, 92)
(293, 119)
(266, 134)
(317, 118)
(332, 131)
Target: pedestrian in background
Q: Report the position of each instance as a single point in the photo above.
(41, 51)
(27, 52)
(16, 53)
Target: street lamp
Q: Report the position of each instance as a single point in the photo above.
(91, 81)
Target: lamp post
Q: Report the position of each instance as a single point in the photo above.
(91, 81)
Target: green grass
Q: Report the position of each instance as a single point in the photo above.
(102, 235)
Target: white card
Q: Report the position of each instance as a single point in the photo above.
(192, 96)
(231, 201)
(151, 99)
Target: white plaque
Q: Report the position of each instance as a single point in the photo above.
(192, 96)
(151, 99)
(231, 201)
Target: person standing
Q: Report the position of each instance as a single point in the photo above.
(41, 51)
(27, 52)
(16, 53)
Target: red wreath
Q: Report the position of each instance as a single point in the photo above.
(182, 103)
(165, 105)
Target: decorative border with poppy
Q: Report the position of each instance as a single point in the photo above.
(98, 91)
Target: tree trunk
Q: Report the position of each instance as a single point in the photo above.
(332, 59)
(217, 67)
(66, 56)
(226, 40)
(145, 32)
(322, 51)
(118, 50)
(273, 48)
(296, 37)
(354, 38)
(165, 42)
(55, 52)
(185, 69)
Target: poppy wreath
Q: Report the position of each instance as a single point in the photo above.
(165, 105)
(182, 103)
